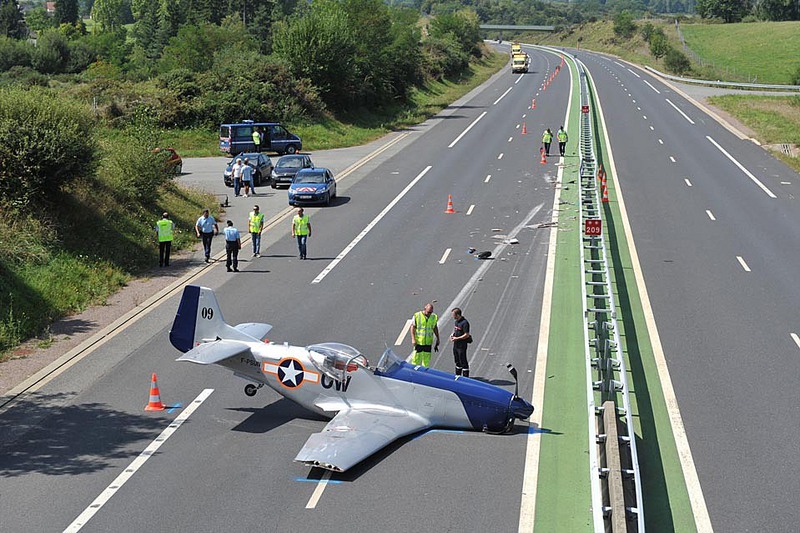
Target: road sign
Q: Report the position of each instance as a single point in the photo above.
(593, 227)
(584, 109)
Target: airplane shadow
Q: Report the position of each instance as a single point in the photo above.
(498, 382)
(274, 415)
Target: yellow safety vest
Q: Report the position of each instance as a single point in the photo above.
(256, 137)
(424, 328)
(547, 137)
(300, 225)
(562, 136)
(164, 230)
(256, 222)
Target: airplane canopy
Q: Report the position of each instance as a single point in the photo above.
(334, 359)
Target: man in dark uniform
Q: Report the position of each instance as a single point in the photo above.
(460, 338)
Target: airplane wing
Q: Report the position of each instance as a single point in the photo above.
(213, 352)
(254, 329)
(355, 434)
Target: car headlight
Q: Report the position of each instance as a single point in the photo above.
(273, 174)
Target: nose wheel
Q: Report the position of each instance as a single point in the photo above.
(251, 389)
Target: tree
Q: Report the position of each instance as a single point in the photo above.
(464, 26)
(145, 29)
(37, 20)
(109, 14)
(66, 11)
(727, 10)
(624, 26)
(778, 10)
(14, 52)
(12, 23)
(659, 45)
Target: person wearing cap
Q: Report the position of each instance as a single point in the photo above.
(236, 172)
(164, 230)
(256, 226)
(247, 176)
(233, 244)
(301, 230)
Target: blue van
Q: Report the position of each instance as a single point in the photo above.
(238, 137)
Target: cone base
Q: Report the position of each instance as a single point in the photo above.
(155, 408)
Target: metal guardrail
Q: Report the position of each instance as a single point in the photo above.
(515, 27)
(613, 459)
(729, 84)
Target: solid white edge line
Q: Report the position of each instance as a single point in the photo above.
(743, 263)
(137, 463)
(369, 227)
(488, 177)
(678, 109)
(649, 85)
(741, 167)
(688, 183)
(402, 336)
(466, 130)
(444, 256)
(710, 214)
(530, 480)
(469, 211)
(503, 95)
(693, 487)
(795, 338)
(318, 490)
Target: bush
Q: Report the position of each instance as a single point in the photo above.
(443, 57)
(659, 45)
(647, 30)
(14, 52)
(624, 26)
(676, 61)
(51, 53)
(48, 142)
(796, 76)
(24, 77)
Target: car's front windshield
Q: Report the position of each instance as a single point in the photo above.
(309, 178)
(294, 162)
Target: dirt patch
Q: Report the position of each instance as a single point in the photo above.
(730, 119)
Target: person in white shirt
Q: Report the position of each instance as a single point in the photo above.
(236, 172)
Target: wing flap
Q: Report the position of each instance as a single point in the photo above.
(209, 353)
(355, 434)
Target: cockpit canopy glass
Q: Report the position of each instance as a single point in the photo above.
(388, 362)
(335, 359)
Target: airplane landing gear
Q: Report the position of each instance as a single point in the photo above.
(251, 389)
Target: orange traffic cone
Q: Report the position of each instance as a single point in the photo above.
(524, 129)
(533, 104)
(155, 397)
(544, 156)
(449, 209)
(605, 194)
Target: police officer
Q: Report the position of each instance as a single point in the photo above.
(256, 226)
(423, 329)
(562, 140)
(461, 338)
(256, 140)
(547, 138)
(301, 229)
(233, 243)
(164, 229)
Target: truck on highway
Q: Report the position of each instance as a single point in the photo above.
(520, 63)
(516, 48)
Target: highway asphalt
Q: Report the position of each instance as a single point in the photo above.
(715, 222)
(229, 466)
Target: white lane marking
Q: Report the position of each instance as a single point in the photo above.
(638, 108)
(466, 130)
(524, 115)
(786, 183)
(743, 263)
(710, 214)
(500, 156)
(488, 177)
(634, 101)
(672, 159)
(402, 336)
(444, 256)
(796, 339)
(137, 463)
(371, 225)
(517, 127)
(510, 139)
(620, 64)
(318, 490)
(503, 95)
(469, 211)
(693, 487)
(678, 109)
(652, 128)
(688, 183)
(741, 167)
(644, 117)
(635, 74)
(660, 141)
(648, 84)
(518, 79)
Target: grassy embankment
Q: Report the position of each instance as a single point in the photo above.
(359, 127)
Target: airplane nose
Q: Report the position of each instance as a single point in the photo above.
(520, 408)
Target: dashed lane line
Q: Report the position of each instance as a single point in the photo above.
(510, 139)
(679, 110)
(369, 227)
(445, 255)
(672, 159)
(688, 183)
(795, 338)
(487, 178)
(741, 167)
(402, 336)
(500, 156)
(469, 211)
(137, 463)
(467, 130)
(634, 73)
(660, 141)
(319, 489)
(710, 214)
(651, 86)
(743, 263)
(502, 95)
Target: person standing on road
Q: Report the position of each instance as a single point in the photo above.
(301, 229)
(461, 338)
(236, 172)
(256, 140)
(206, 227)
(256, 226)
(233, 244)
(423, 328)
(562, 137)
(247, 177)
(547, 138)
(164, 230)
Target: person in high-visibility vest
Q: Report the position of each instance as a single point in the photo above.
(424, 327)
(256, 140)
(301, 230)
(164, 230)
(562, 137)
(256, 226)
(547, 138)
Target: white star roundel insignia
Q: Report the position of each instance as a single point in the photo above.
(290, 372)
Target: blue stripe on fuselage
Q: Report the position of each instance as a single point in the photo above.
(182, 333)
(486, 405)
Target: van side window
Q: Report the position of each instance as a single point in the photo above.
(242, 132)
(278, 133)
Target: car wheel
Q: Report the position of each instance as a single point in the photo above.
(273, 185)
(327, 201)
(291, 149)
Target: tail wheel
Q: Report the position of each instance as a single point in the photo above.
(250, 389)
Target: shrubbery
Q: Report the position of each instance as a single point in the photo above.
(676, 61)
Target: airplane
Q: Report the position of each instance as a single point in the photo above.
(371, 406)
